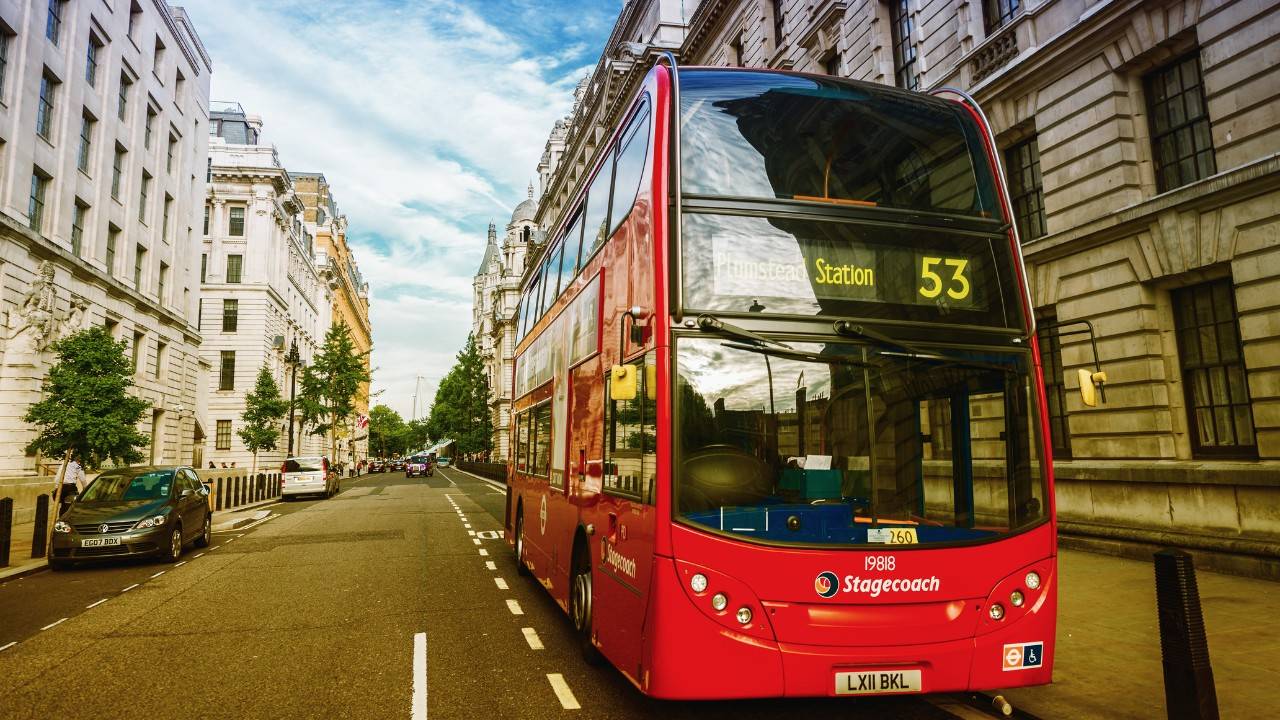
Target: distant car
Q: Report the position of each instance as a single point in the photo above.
(376, 465)
(418, 466)
(308, 476)
(443, 462)
(397, 465)
(150, 511)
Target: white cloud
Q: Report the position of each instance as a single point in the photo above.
(424, 118)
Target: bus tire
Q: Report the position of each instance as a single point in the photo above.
(581, 596)
(521, 568)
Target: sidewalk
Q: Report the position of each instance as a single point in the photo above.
(1108, 661)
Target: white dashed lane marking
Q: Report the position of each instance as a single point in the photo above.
(96, 604)
(531, 637)
(490, 564)
(184, 562)
(54, 624)
(514, 607)
(567, 700)
(420, 676)
(157, 574)
(129, 588)
(475, 540)
(6, 647)
(502, 584)
(484, 553)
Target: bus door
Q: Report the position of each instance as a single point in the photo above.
(625, 534)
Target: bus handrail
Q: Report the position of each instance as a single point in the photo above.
(673, 181)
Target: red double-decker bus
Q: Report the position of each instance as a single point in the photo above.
(779, 419)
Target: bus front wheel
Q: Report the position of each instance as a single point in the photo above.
(580, 605)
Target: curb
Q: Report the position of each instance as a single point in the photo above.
(30, 568)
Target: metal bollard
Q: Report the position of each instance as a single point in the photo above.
(1189, 692)
(219, 488)
(6, 529)
(39, 536)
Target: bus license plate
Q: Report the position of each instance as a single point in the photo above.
(893, 536)
(99, 542)
(866, 682)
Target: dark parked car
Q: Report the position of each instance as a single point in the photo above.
(419, 465)
(377, 465)
(136, 511)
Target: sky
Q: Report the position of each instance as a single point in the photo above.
(428, 118)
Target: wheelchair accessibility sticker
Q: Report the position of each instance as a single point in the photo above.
(1023, 656)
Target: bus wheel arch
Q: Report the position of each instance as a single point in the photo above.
(582, 597)
(520, 550)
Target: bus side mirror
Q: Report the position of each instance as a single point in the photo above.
(622, 382)
(1091, 385)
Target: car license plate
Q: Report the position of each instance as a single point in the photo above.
(866, 682)
(99, 542)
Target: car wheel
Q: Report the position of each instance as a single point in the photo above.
(207, 535)
(521, 568)
(174, 551)
(581, 595)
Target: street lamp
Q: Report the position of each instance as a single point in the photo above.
(292, 359)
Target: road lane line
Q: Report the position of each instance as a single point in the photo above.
(94, 605)
(475, 540)
(420, 676)
(472, 533)
(199, 555)
(502, 584)
(156, 575)
(466, 525)
(54, 624)
(255, 524)
(129, 588)
(531, 637)
(6, 647)
(184, 562)
(490, 564)
(484, 553)
(567, 700)
(514, 607)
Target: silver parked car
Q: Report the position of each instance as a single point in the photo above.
(308, 476)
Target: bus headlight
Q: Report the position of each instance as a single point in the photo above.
(996, 611)
(1016, 598)
(744, 615)
(698, 583)
(1033, 580)
(719, 601)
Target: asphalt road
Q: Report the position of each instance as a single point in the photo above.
(337, 608)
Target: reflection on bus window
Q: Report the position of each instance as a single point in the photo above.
(631, 440)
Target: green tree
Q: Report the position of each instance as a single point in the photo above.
(388, 433)
(87, 411)
(263, 409)
(330, 384)
(460, 411)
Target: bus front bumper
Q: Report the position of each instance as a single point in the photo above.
(691, 656)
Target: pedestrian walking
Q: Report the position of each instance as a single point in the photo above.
(72, 485)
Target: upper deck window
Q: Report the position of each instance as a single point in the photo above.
(776, 136)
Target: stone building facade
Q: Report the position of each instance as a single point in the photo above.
(1140, 142)
(495, 297)
(261, 291)
(334, 256)
(103, 142)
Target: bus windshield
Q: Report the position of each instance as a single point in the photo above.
(844, 444)
(783, 136)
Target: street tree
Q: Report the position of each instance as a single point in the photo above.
(86, 410)
(330, 384)
(461, 408)
(388, 433)
(263, 410)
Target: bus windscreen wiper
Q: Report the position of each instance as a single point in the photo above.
(907, 350)
(796, 354)
(710, 322)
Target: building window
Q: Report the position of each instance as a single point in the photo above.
(78, 213)
(122, 109)
(230, 315)
(779, 17)
(204, 265)
(44, 111)
(904, 51)
(135, 18)
(137, 351)
(86, 142)
(227, 371)
(35, 206)
(831, 65)
(206, 220)
(179, 87)
(91, 60)
(1181, 141)
(149, 127)
(139, 259)
(157, 61)
(734, 51)
(117, 172)
(161, 347)
(1213, 374)
(173, 146)
(236, 225)
(142, 196)
(164, 221)
(1022, 162)
(53, 27)
(113, 239)
(235, 267)
(163, 280)
(6, 38)
(222, 438)
(997, 13)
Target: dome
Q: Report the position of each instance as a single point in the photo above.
(524, 212)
